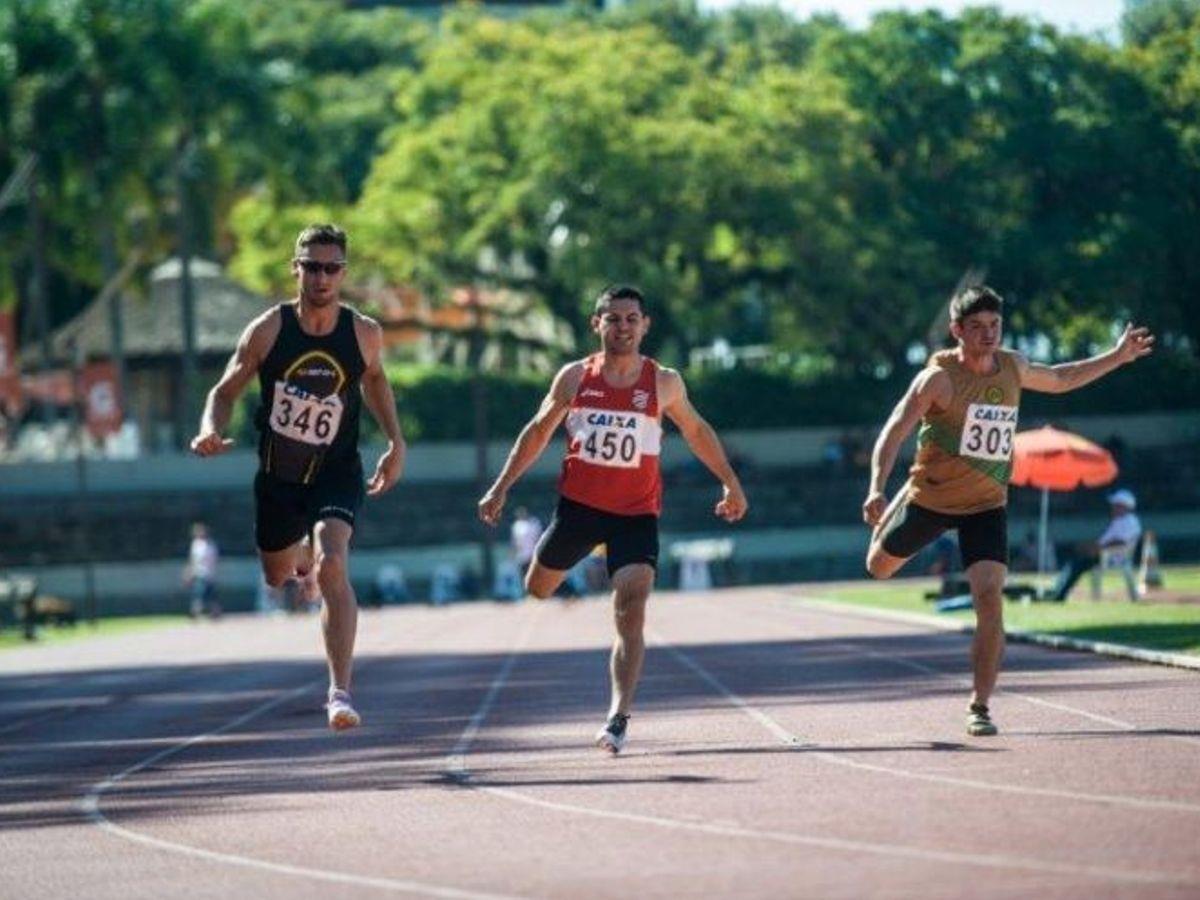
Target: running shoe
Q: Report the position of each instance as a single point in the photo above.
(612, 736)
(979, 723)
(342, 714)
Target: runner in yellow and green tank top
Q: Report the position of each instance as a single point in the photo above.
(964, 452)
(966, 401)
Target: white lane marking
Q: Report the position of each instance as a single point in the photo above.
(994, 860)
(456, 767)
(791, 739)
(832, 609)
(90, 805)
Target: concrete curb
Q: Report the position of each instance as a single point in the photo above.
(1055, 641)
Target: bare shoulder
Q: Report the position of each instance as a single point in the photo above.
(567, 379)
(1018, 359)
(670, 384)
(933, 386)
(260, 334)
(364, 325)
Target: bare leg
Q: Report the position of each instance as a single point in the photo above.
(339, 606)
(880, 563)
(631, 588)
(987, 647)
(279, 566)
(541, 581)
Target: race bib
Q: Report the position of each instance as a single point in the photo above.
(606, 438)
(988, 432)
(305, 417)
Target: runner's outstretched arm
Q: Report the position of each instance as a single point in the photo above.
(930, 388)
(243, 366)
(703, 441)
(379, 399)
(1133, 344)
(532, 440)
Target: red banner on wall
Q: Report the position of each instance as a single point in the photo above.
(101, 399)
(10, 378)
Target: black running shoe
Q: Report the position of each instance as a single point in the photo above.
(612, 736)
(979, 723)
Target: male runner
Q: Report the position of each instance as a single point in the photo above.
(313, 357)
(610, 488)
(966, 400)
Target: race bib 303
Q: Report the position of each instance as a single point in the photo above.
(988, 432)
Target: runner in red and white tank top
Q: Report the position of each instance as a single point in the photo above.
(614, 436)
(610, 491)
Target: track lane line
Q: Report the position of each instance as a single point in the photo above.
(457, 769)
(91, 807)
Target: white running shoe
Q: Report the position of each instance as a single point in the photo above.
(342, 715)
(612, 736)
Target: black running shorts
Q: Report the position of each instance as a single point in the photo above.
(286, 512)
(982, 535)
(577, 529)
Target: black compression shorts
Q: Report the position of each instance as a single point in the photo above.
(286, 512)
(577, 529)
(981, 535)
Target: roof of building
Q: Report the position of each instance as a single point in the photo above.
(153, 324)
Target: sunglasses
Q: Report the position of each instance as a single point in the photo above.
(312, 266)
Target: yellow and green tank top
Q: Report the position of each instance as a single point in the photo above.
(964, 452)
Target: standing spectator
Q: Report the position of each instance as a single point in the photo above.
(526, 532)
(200, 573)
(1119, 540)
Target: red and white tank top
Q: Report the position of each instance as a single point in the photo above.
(614, 436)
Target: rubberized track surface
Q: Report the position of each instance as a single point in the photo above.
(777, 750)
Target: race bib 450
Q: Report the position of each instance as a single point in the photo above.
(606, 438)
(305, 417)
(988, 432)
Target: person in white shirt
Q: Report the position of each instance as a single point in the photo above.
(1119, 538)
(200, 573)
(526, 532)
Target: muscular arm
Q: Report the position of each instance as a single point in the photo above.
(532, 440)
(381, 402)
(1133, 344)
(703, 441)
(931, 389)
(376, 389)
(243, 365)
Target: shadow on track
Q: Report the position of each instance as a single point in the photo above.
(85, 726)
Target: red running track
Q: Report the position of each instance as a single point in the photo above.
(776, 750)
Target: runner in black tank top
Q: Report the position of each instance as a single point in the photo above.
(310, 400)
(317, 362)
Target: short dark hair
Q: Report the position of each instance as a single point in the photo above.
(321, 233)
(973, 299)
(619, 292)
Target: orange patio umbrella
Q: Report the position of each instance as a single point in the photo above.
(1056, 460)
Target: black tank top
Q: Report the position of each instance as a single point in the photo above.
(310, 400)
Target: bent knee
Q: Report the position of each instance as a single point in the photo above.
(539, 591)
(881, 564)
(331, 565)
(277, 579)
(539, 588)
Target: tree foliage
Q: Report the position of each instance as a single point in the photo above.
(765, 179)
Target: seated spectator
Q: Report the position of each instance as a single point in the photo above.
(1119, 541)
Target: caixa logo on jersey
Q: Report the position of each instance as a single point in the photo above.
(612, 420)
(997, 414)
(641, 399)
